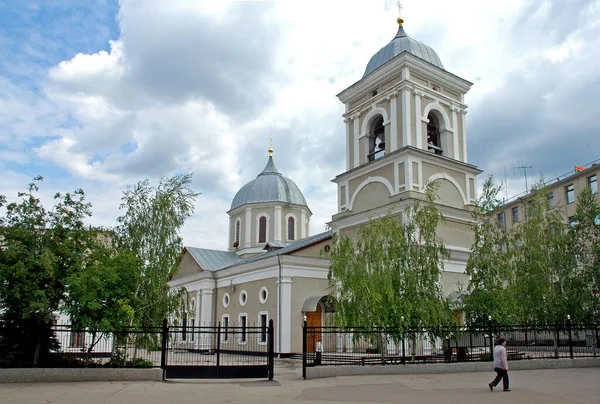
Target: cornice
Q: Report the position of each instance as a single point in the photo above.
(396, 66)
(393, 92)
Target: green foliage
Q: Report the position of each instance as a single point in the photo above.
(150, 228)
(585, 279)
(542, 259)
(40, 249)
(389, 276)
(490, 265)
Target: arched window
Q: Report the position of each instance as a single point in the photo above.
(238, 224)
(434, 144)
(291, 227)
(262, 229)
(376, 139)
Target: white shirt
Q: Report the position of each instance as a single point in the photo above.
(500, 359)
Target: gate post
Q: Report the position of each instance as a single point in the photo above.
(570, 336)
(304, 344)
(218, 348)
(271, 350)
(491, 331)
(165, 337)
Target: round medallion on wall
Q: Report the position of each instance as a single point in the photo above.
(243, 297)
(226, 300)
(263, 295)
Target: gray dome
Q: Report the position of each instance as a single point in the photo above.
(269, 186)
(402, 43)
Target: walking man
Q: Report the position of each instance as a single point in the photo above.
(500, 365)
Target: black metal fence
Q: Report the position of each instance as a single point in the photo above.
(221, 351)
(355, 346)
(230, 351)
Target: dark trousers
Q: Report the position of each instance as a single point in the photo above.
(501, 374)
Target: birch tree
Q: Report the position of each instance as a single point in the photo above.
(150, 227)
(490, 265)
(389, 276)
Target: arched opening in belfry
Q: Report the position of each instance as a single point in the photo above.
(376, 139)
(434, 138)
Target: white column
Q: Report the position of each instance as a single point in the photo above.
(394, 122)
(355, 137)
(406, 141)
(464, 135)
(455, 154)
(206, 317)
(418, 119)
(339, 342)
(248, 224)
(277, 225)
(303, 224)
(197, 317)
(349, 345)
(285, 345)
(348, 156)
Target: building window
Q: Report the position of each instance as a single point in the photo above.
(593, 184)
(570, 194)
(77, 339)
(243, 318)
(263, 323)
(515, 214)
(226, 300)
(551, 199)
(434, 141)
(238, 225)
(225, 331)
(291, 227)
(501, 219)
(376, 139)
(243, 298)
(184, 326)
(263, 295)
(262, 229)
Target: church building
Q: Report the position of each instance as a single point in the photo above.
(405, 126)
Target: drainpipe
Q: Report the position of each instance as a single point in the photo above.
(215, 300)
(279, 307)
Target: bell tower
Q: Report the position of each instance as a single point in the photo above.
(405, 126)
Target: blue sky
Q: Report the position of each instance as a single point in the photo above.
(102, 94)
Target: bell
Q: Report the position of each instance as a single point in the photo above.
(381, 146)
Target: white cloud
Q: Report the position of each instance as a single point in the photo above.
(201, 85)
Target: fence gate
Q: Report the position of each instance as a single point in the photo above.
(218, 352)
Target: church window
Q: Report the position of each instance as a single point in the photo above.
(263, 295)
(238, 224)
(225, 323)
(242, 328)
(243, 298)
(291, 227)
(263, 322)
(434, 144)
(376, 139)
(262, 229)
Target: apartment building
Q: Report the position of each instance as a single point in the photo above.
(562, 194)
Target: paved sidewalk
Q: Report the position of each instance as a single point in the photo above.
(579, 386)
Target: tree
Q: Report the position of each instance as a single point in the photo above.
(150, 228)
(39, 250)
(542, 260)
(100, 296)
(490, 265)
(389, 277)
(584, 281)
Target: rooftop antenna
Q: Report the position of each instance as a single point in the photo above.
(524, 168)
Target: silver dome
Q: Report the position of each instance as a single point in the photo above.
(269, 186)
(402, 43)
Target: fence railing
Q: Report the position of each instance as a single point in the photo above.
(228, 346)
(356, 346)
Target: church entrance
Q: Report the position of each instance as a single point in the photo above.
(314, 319)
